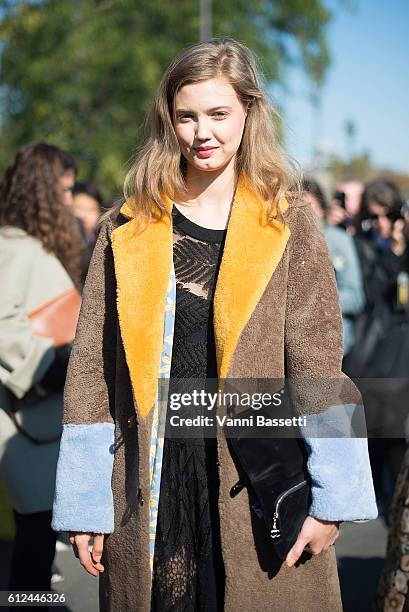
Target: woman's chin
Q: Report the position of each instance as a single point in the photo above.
(209, 165)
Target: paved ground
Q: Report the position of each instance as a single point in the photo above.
(360, 550)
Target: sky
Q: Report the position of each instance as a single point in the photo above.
(367, 82)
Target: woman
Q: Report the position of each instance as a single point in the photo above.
(174, 538)
(381, 241)
(87, 207)
(382, 344)
(40, 249)
(344, 259)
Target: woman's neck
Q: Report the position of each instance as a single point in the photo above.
(208, 196)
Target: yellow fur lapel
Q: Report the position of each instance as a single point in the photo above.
(251, 253)
(142, 267)
(143, 262)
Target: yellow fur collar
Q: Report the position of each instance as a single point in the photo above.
(143, 261)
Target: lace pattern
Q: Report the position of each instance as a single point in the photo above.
(188, 573)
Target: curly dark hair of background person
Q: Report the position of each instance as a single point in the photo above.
(31, 198)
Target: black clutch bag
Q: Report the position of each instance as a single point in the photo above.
(274, 472)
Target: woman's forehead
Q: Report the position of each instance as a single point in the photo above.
(206, 94)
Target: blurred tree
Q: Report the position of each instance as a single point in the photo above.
(358, 168)
(350, 132)
(80, 73)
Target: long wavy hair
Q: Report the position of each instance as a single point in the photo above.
(159, 167)
(31, 199)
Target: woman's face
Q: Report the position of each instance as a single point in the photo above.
(66, 181)
(381, 223)
(87, 209)
(209, 122)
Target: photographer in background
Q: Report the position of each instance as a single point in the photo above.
(344, 259)
(345, 205)
(382, 340)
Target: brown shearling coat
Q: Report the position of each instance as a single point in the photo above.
(291, 314)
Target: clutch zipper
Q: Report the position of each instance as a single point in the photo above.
(275, 531)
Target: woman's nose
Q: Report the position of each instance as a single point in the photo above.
(203, 131)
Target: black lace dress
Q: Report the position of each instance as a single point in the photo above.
(188, 572)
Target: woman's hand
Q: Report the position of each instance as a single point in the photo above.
(336, 214)
(91, 563)
(315, 534)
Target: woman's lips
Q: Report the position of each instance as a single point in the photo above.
(205, 152)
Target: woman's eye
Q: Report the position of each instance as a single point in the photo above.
(185, 118)
(219, 115)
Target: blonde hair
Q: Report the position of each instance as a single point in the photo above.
(159, 166)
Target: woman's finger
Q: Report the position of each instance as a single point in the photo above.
(84, 555)
(74, 546)
(334, 539)
(97, 549)
(296, 551)
(316, 547)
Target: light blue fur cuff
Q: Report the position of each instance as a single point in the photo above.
(83, 496)
(342, 486)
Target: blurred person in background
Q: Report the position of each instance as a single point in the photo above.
(345, 205)
(353, 193)
(40, 251)
(87, 207)
(381, 222)
(382, 333)
(344, 259)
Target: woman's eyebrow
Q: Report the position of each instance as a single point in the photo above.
(210, 110)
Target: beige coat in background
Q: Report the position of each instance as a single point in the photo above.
(29, 277)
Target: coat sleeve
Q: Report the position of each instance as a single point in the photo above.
(24, 357)
(335, 434)
(83, 496)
